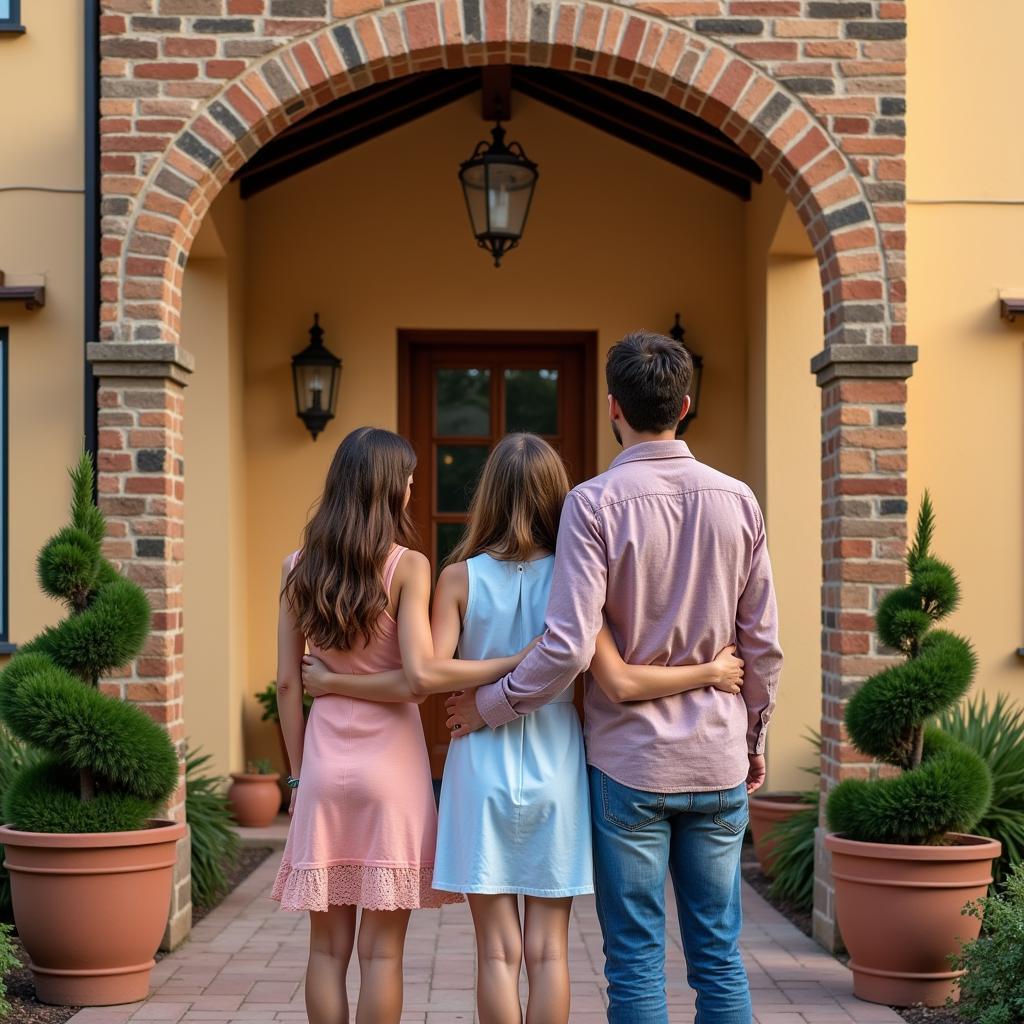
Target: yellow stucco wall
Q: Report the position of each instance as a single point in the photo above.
(216, 594)
(41, 237)
(965, 224)
(784, 330)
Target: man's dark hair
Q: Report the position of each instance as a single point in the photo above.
(649, 376)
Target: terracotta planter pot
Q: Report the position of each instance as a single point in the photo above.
(255, 799)
(899, 912)
(91, 909)
(767, 811)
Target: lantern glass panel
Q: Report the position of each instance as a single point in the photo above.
(315, 387)
(498, 196)
(475, 188)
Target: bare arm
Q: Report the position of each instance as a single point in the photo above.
(290, 647)
(621, 682)
(426, 672)
(441, 672)
(450, 599)
(386, 687)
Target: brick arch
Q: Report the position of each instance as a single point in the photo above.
(155, 201)
(142, 290)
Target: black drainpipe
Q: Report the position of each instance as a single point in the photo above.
(91, 295)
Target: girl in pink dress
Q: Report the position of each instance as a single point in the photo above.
(363, 822)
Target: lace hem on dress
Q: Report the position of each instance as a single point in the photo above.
(358, 885)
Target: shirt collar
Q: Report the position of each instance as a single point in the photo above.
(648, 450)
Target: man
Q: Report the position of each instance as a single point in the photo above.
(672, 553)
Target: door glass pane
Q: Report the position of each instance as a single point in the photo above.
(458, 467)
(464, 402)
(448, 535)
(531, 401)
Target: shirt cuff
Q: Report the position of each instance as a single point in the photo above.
(756, 738)
(493, 705)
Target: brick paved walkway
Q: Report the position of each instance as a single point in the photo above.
(244, 964)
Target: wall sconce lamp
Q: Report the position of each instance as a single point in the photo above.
(315, 374)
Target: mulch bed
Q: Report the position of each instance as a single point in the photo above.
(21, 991)
(930, 1015)
(761, 883)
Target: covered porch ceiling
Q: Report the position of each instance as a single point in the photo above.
(645, 121)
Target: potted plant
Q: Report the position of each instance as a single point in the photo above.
(769, 811)
(902, 863)
(253, 795)
(90, 862)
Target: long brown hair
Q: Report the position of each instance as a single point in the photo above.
(336, 587)
(517, 503)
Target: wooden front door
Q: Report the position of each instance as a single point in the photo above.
(459, 393)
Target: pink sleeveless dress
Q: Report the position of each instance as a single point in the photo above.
(364, 824)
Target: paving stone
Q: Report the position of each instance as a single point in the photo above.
(244, 964)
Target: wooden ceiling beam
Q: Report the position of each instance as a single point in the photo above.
(304, 146)
(649, 117)
(661, 145)
(496, 92)
(644, 121)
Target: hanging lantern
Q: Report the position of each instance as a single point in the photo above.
(678, 333)
(315, 374)
(498, 182)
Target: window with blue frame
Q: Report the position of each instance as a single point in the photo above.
(10, 16)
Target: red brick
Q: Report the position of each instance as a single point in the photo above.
(167, 70)
(188, 46)
(872, 391)
(224, 68)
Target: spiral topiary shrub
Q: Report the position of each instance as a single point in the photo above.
(103, 765)
(944, 786)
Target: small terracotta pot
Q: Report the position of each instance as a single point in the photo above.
(255, 799)
(767, 811)
(899, 909)
(91, 909)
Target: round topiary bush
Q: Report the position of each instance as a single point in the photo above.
(104, 766)
(944, 786)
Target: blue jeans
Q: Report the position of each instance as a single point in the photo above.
(638, 838)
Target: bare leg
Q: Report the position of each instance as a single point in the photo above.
(331, 936)
(499, 955)
(381, 945)
(546, 943)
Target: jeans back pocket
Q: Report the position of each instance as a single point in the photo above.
(629, 808)
(733, 809)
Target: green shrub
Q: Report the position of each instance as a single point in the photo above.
(215, 843)
(101, 765)
(261, 766)
(267, 698)
(8, 962)
(992, 990)
(793, 860)
(996, 732)
(944, 785)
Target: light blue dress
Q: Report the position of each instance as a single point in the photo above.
(515, 806)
